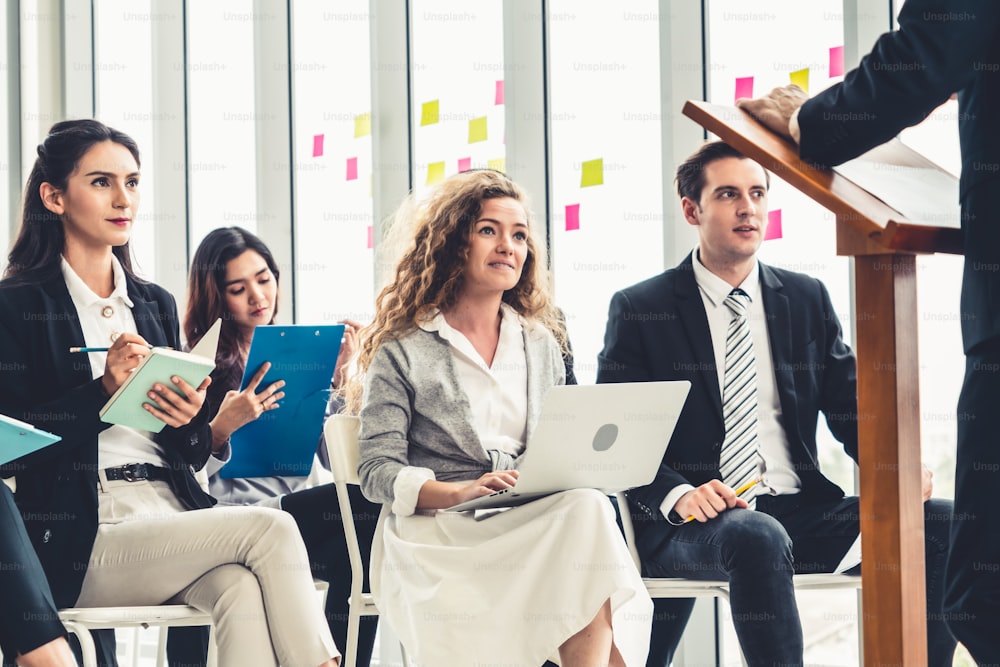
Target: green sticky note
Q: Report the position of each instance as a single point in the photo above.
(477, 130)
(429, 113)
(593, 173)
(435, 172)
(362, 125)
(800, 78)
(498, 164)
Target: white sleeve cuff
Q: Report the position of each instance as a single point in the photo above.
(406, 489)
(793, 127)
(675, 494)
(217, 460)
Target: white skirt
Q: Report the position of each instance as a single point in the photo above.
(511, 588)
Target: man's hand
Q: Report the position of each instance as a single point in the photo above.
(775, 109)
(927, 483)
(708, 501)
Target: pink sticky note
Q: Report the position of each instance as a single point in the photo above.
(572, 217)
(837, 61)
(352, 168)
(498, 98)
(744, 87)
(464, 164)
(773, 225)
(317, 145)
(370, 234)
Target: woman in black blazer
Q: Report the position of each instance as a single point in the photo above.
(107, 508)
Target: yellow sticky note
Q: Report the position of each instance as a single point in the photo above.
(498, 164)
(477, 130)
(592, 173)
(362, 125)
(429, 113)
(435, 172)
(800, 78)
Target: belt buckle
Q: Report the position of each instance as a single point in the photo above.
(129, 473)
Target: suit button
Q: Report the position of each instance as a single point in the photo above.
(717, 446)
(46, 536)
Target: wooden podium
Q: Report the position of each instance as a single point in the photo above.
(884, 244)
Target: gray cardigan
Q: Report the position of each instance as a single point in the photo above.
(415, 412)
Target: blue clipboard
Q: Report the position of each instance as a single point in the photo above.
(19, 439)
(282, 442)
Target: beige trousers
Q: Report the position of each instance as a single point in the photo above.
(245, 565)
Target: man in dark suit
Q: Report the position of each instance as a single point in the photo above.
(940, 48)
(675, 326)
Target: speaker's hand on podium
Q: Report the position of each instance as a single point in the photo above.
(778, 110)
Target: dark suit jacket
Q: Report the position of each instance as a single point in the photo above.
(658, 330)
(941, 48)
(43, 384)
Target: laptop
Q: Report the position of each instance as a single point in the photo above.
(610, 437)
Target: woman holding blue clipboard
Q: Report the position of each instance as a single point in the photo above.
(112, 511)
(234, 277)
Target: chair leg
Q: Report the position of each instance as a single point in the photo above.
(213, 648)
(161, 647)
(353, 629)
(87, 650)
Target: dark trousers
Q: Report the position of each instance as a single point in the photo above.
(758, 552)
(318, 516)
(972, 599)
(28, 616)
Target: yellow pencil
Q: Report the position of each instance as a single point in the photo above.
(748, 485)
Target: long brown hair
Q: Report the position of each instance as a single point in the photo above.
(41, 240)
(206, 300)
(429, 277)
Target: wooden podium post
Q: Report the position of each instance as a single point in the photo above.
(884, 245)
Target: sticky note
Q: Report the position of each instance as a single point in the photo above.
(498, 164)
(362, 125)
(592, 173)
(477, 130)
(352, 168)
(464, 164)
(498, 98)
(435, 172)
(429, 113)
(773, 225)
(572, 217)
(744, 87)
(836, 61)
(317, 145)
(371, 233)
(800, 78)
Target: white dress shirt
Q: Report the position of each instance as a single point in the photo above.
(498, 397)
(102, 319)
(778, 476)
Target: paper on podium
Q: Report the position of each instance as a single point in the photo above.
(282, 442)
(18, 439)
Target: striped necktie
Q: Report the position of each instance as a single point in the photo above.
(738, 461)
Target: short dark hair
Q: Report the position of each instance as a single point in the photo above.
(690, 178)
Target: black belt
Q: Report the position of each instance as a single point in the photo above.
(133, 472)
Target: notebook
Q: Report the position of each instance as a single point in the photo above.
(610, 437)
(18, 438)
(125, 405)
(282, 442)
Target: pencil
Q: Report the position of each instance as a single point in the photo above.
(748, 485)
(74, 350)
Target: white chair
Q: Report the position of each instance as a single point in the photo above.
(81, 620)
(341, 433)
(663, 587)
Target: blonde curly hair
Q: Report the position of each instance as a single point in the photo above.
(429, 275)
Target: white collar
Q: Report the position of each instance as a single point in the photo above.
(83, 295)
(717, 289)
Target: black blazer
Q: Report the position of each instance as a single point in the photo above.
(658, 330)
(940, 49)
(43, 384)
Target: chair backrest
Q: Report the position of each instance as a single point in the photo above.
(625, 515)
(341, 433)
